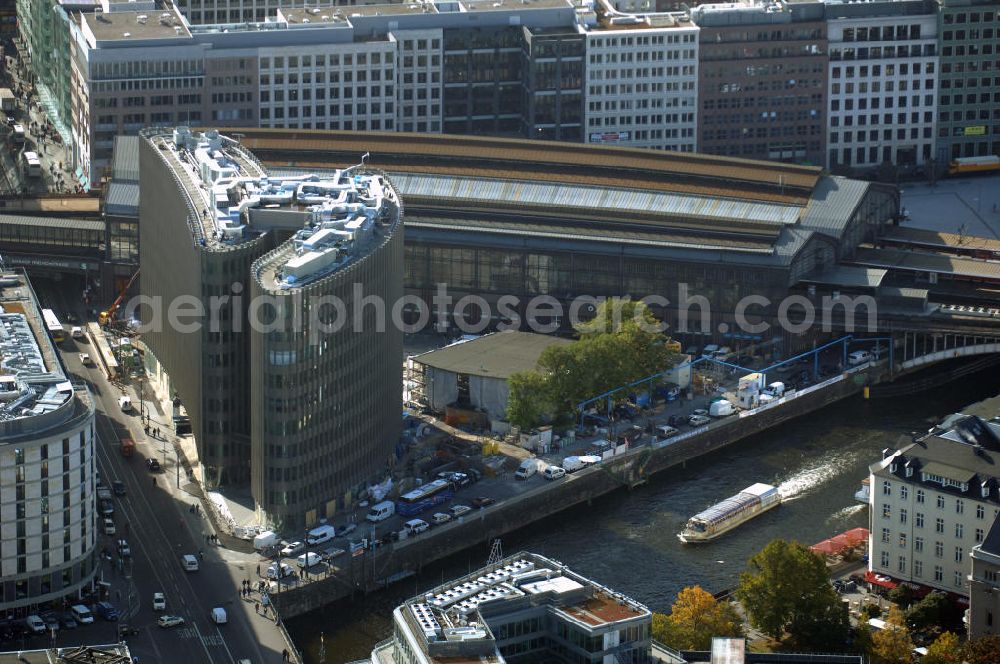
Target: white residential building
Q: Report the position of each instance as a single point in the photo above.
(883, 76)
(642, 82)
(48, 520)
(932, 502)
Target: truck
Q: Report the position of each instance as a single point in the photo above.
(128, 447)
(8, 102)
(528, 468)
(264, 540)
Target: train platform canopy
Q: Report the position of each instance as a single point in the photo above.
(936, 239)
(848, 276)
(497, 355)
(912, 261)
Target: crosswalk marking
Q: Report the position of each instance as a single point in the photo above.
(187, 633)
(212, 640)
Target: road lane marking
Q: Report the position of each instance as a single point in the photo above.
(203, 645)
(223, 642)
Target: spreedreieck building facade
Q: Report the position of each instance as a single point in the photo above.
(282, 389)
(932, 502)
(48, 515)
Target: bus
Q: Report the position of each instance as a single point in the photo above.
(425, 497)
(32, 165)
(53, 325)
(962, 165)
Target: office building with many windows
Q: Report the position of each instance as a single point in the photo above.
(642, 81)
(969, 101)
(48, 511)
(285, 390)
(882, 84)
(983, 617)
(762, 80)
(932, 502)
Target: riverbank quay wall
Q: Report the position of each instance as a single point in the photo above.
(375, 569)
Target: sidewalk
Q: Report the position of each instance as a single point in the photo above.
(199, 517)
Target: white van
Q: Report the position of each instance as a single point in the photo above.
(554, 472)
(82, 614)
(125, 403)
(275, 571)
(416, 526)
(189, 562)
(859, 357)
(721, 409)
(308, 559)
(320, 535)
(76, 333)
(527, 468)
(381, 511)
(219, 616)
(775, 389)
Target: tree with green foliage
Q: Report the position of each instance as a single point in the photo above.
(932, 611)
(946, 649)
(982, 651)
(607, 356)
(528, 399)
(695, 618)
(786, 588)
(902, 596)
(892, 644)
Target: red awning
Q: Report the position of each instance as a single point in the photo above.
(841, 542)
(880, 580)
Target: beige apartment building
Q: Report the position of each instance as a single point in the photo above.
(933, 502)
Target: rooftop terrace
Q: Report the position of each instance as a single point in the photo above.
(127, 26)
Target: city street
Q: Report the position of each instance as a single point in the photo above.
(154, 517)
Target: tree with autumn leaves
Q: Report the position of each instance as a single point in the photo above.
(694, 619)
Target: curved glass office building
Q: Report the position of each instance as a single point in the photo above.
(293, 380)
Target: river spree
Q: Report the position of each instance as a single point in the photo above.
(628, 540)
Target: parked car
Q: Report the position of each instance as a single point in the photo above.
(275, 571)
(52, 622)
(346, 529)
(458, 510)
(676, 420)
(293, 549)
(109, 526)
(68, 620)
(107, 611)
(153, 465)
(554, 472)
(124, 550)
(699, 420)
(107, 508)
(169, 621)
(439, 518)
(482, 501)
(35, 624)
(118, 487)
(699, 411)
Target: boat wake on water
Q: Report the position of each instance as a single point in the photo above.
(811, 477)
(845, 513)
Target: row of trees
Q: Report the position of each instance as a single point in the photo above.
(786, 594)
(620, 345)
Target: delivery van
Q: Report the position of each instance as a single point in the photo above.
(219, 616)
(416, 526)
(381, 511)
(320, 535)
(189, 562)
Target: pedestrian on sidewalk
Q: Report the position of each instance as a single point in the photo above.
(256, 607)
(284, 655)
(258, 570)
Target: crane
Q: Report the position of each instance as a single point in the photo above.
(107, 317)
